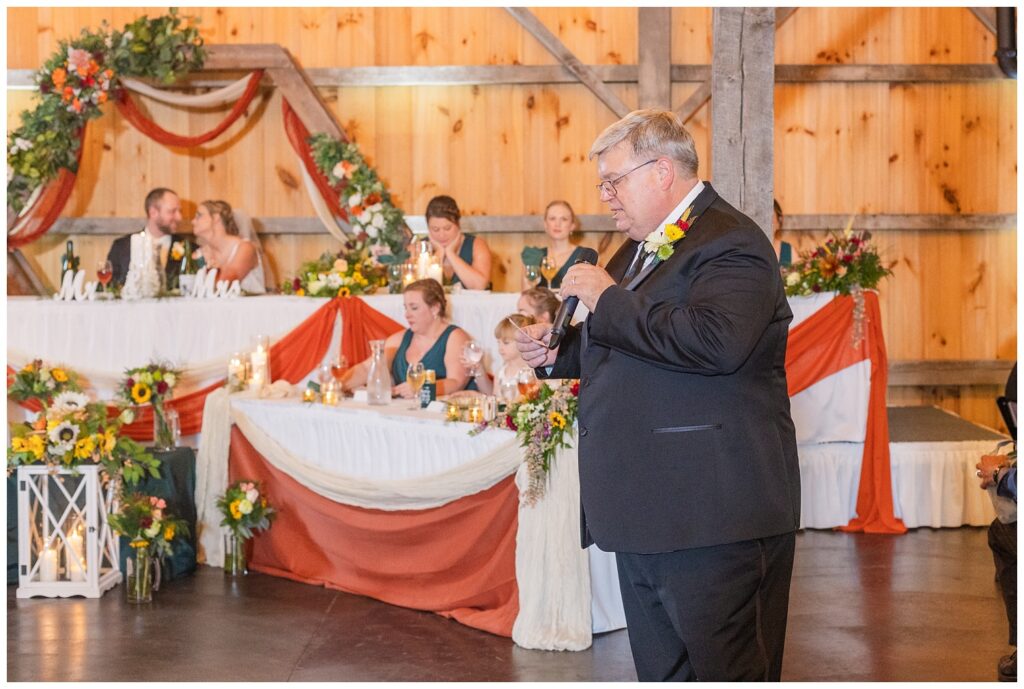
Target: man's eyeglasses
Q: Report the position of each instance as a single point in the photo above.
(608, 186)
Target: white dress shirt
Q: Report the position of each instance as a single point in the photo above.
(676, 213)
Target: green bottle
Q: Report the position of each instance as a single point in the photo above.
(68, 261)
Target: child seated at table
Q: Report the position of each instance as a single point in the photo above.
(504, 385)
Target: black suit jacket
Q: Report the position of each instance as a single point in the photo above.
(120, 255)
(685, 437)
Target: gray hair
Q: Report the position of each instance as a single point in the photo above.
(651, 133)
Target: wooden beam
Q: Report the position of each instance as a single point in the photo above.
(245, 57)
(987, 17)
(888, 73)
(24, 274)
(742, 109)
(555, 46)
(654, 27)
(306, 101)
(948, 373)
(915, 222)
(782, 15)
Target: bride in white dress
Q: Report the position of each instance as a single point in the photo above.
(229, 244)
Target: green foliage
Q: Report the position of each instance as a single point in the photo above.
(141, 519)
(844, 261)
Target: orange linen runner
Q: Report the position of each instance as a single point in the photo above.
(457, 560)
(822, 346)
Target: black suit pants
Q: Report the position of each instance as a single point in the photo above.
(1002, 539)
(710, 614)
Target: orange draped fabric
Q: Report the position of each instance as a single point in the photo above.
(130, 111)
(292, 358)
(297, 137)
(457, 560)
(820, 347)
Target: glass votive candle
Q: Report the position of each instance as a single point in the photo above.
(309, 395)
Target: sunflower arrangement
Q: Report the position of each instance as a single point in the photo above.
(543, 423)
(153, 385)
(353, 271)
(846, 262)
(245, 508)
(71, 432)
(143, 521)
(42, 382)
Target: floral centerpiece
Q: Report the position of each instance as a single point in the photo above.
(78, 79)
(378, 224)
(70, 432)
(846, 263)
(543, 423)
(150, 531)
(352, 271)
(245, 509)
(153, 385)
(41, 382)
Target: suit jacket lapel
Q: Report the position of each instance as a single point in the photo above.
(700, 204)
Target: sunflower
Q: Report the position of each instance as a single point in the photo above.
(828, 266)
(109, 440)
(169, 532)
(235, 513)
(64, 434)
(139, 543)
(36, 446)
(19, 444)
(85, 447)
(344, 291)
(59, 375)
(556, 419)
(141, 393)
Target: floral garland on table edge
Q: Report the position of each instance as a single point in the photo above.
(377, 222)
(149, 530)
(352, 271)
(70, 431)
(845, 263)
(78, 79)
(153, 384)
(543, 423)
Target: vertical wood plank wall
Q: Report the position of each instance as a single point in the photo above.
(864, 148)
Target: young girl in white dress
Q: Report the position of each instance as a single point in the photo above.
(505, 383)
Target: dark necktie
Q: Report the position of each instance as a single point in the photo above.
(635, 267)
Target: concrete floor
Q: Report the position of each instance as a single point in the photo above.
(920, 607)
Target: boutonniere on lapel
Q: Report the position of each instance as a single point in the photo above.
(177, 251)
(662, 242)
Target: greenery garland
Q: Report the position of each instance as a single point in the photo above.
(80, 78)
(379, 225)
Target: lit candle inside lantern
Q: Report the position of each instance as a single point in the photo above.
(236, 372)
(423, 260)
(409, 276)
(435, 272)
(48, 567)
(76, 545)
(309, 395)
(260, 369)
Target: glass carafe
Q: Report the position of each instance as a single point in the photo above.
(378, 382)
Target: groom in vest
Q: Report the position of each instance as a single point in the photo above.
(687, 453)
(163, 214)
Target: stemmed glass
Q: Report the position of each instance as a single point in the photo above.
(474, 353)
(532, 273)
(528, 385)
(549, 269)
(415, 375)
(323, 376)
(338, 368)
(104, 273)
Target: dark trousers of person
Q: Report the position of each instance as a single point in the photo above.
(1002, 539)
(710, 614)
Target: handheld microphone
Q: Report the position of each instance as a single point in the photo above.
(568, 307)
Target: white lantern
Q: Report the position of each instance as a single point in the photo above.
(65, 545)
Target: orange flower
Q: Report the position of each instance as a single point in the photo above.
(108, 73)
(60, 77)
(356, 210)
(102, 97)
(77, 105)
(92, 68)
(828, 266)
(68, 94)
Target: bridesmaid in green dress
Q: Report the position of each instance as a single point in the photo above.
(559, 225)
(466, 258)
(430, 338)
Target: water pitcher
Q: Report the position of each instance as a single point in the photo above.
(378, 382)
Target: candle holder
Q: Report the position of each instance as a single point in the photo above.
(309, 395)
(65, 546)
(237, 372)
(259, 377)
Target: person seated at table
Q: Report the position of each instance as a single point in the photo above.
(465, 258)
(163, 213)
(559, 226)
(539, 303)
(784, 250)
(511, 361)
(227, 248)
(430, 339)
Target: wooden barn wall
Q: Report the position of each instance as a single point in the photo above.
(508, 150)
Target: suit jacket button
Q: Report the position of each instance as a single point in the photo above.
(583, 431)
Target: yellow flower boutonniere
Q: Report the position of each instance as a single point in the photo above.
(177, 251)
(662, 241)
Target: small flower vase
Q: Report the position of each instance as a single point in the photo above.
(163, 434)
(139, 576)
(234, 555)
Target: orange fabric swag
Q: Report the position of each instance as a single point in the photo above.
(457, 560)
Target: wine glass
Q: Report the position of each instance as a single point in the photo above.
(323, 376)
(532, 274)
(415, 375)
(104, 273)
(549, 269)
(338, 367)
(508, 390)
(474, 353)
(527, 380)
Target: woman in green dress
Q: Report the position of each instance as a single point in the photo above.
(465, 258)
(559, 225)
(430, 339)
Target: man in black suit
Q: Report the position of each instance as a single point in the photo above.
(163, 213)
(688, 462)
